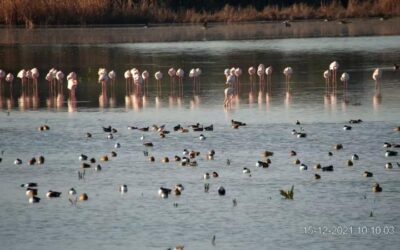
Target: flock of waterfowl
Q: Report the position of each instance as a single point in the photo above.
(137, 82)
(188, 158)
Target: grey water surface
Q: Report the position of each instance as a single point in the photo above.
(333, 212)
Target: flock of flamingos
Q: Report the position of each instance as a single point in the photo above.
(136, 82)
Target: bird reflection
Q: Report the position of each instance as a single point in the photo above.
(72, 105)
(377, 100)
(288, 99)
(195, 102)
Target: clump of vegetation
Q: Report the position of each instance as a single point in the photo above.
(88, 12)
(288, 194)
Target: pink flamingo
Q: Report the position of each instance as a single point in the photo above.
(35, 76)
(288, 71)
(377, 75)
(327, 76)
(158, 75)
(10, 79)
(334, 66)
(172, 75)
(197, 78)
(59, 77)
(22, 75)
(128, 77)
(112, 75)
(260, 73)
(145, 76)
(252, 72)
(72, 84)
(238, 73)
(138, 81)
(345, 79)
(134, 71)
(180, 74)
(268, 72)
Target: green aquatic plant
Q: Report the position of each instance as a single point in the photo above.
(288, 194)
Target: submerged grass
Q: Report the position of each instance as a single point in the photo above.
(85, 12)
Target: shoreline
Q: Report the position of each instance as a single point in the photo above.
(177, 32)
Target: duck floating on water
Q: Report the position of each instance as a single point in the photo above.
(123, 188)
(389, 153)
(72, 191)
(221, 191)
(376, 188)
(34, 199)
(29, 185)
(367, 174)
(53, 194)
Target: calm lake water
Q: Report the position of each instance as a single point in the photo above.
(139, 219)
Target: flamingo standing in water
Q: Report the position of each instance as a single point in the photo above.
(227, 72)
(54, 81)
(35, 76)
(260, 73)
(180, 74)
(172, 74)
(103, 79)
(128, 77)
(334, 66)
(49, 78)
(158, 75)
(59, 76)
(288, 71)
(345, 79)
(268, 72)
(29, 76)
(238, 73)
(327, 76)
(138, 81)
(10, 79)
(197, 78)
(22, 75)
(72, 84)
(134, 71)
(112, 75)
(377, 75)
(252, 72)
(192, 75)
(145, 76)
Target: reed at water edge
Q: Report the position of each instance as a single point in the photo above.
(88, 12)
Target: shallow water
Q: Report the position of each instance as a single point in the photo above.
(140, 219)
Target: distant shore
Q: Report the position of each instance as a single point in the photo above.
(31, 14)
(193, 32)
